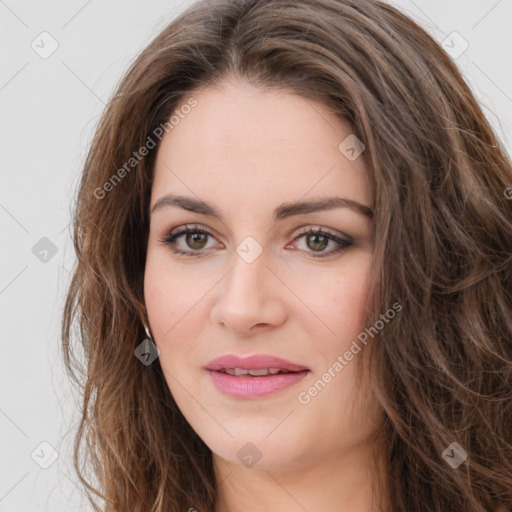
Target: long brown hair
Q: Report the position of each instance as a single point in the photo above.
(441, 370)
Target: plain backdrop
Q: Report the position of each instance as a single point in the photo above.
(50, 105)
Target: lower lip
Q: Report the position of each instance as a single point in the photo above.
(253, 387)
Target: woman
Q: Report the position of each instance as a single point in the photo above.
(304, 209)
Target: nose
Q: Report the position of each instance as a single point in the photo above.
(250, 298)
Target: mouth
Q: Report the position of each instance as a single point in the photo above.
(254, 376)
(262, 372)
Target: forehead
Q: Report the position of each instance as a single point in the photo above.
(249, 145)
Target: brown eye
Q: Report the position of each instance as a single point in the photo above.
(196, 240)
(317, 242)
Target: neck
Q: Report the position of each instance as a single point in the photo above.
(347, 482)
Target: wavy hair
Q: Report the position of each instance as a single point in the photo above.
(439, 176)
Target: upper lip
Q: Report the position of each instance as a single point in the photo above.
(256, 362)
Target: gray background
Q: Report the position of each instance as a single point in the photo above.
(50, 107)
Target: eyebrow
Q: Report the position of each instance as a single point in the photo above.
(283, 211)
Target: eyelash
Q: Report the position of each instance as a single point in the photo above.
(170, 240)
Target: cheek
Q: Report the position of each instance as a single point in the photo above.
(156, 293)
(161, 291)
(166, 292)
(348, 305)
(171, 326)
(175, 311)
(339, 305)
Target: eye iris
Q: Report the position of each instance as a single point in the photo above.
(318, 245)
(193, 238)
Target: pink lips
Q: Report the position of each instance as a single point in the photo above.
(247, 386)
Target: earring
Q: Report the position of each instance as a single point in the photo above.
(147, 330)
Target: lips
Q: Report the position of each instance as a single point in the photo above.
(254, 376)
(256, 362)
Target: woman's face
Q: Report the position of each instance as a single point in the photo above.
(250, 282)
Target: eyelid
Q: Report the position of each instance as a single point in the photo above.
(328, 231)
(190, 227)
(302, 230)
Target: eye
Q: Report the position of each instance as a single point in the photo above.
(195, 240)
(317, 239)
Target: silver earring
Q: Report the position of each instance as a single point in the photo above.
(147, 330)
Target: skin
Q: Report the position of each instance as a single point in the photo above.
(247, 150)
